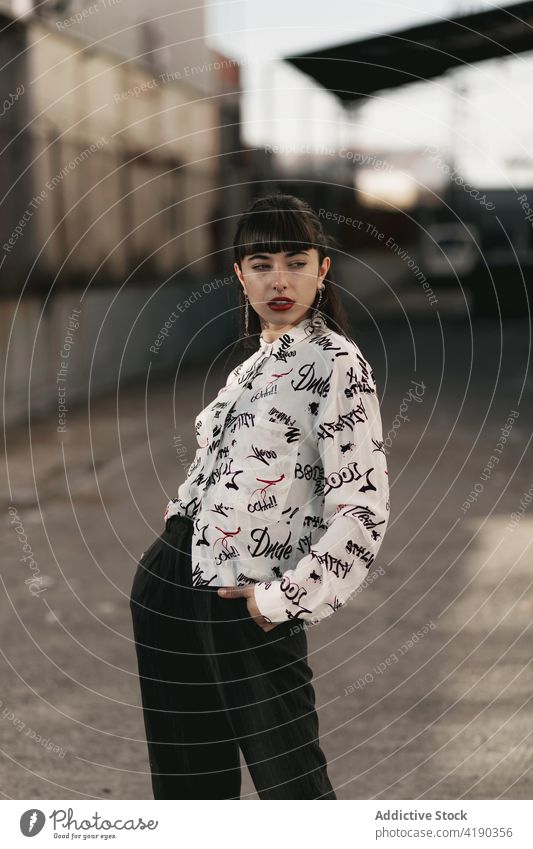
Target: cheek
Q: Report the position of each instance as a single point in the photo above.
(306, 283)
(254, 290)
(255, 286)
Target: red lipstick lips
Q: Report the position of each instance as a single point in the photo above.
(280, 304)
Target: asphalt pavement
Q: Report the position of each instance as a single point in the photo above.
(423, 681)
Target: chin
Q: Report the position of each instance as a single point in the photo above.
(278, 319)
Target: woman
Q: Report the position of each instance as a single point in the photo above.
(282, 512)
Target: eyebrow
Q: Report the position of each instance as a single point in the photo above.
(267, 256)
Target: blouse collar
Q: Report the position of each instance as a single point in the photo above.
(299, 331)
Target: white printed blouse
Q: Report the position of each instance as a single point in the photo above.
(288, 489)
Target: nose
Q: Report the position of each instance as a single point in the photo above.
(279, 279)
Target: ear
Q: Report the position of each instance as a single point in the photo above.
(324, 268)
(238, 272)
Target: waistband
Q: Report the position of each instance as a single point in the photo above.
(214, 589)
(176, 519)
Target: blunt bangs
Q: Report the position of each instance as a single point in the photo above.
(273, 231)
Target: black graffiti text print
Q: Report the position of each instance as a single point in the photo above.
(304, 544)
(197, 579)
(353, 547)
(347, 474)
(215, 442)
(276, 415)
(313, 521)
(262, 504)
(366, 376)
(335, 565)
(192, 507)
(292, 434)
(194, 465)
(282, 356)
(364, 515)
(309, 472)
(265, 547)
(261, 500)
(201, 529)
(223, 549)
(220, 509)
(218, 408)
(229, 552)
(251, 372)
(292, 511)
(328, 344)
(327, 430)
(224, 470)
(262, 454)
(245, 579)
(310, 382)
(293, 593)
(264, 393)
(285, 341)
(234, 423)
(360, 383)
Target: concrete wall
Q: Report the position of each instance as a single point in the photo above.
(116, 217)
(111, 345)
(157, 145)
(166, 35)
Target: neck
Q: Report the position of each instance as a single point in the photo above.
(270, 332)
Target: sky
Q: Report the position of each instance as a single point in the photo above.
(478, 116)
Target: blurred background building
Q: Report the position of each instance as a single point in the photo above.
(132, 137)
(113, 145)
(412, 120)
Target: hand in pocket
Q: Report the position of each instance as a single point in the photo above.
(253, 610)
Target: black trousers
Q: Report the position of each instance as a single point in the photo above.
(212, 681)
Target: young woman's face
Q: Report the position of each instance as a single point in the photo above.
(294, 276)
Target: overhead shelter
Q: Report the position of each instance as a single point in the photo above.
(359, 68)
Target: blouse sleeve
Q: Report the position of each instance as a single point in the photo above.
(183, 504)
(356, 503)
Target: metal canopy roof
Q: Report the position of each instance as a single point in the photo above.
(359, 68)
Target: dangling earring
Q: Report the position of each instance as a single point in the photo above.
(317, 320)
(246, 315)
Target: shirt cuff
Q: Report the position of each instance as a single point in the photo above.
(268, 599)
(273, 606)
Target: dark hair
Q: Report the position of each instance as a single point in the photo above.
(281, 222)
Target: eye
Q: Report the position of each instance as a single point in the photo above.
(260, 267)
(298, 264)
